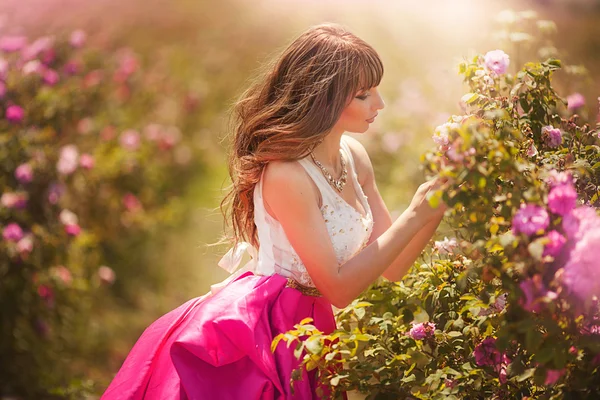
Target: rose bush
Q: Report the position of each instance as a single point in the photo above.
(508, 307)
(88, 174)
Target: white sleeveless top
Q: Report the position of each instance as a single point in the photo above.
(349, 230)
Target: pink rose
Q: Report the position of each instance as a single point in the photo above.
(24, 173)
(14, 200)
(575, 101)
(12, 232)
(62, 274)
(71, 68)
(50, 77)
(106, 275)
(552, 136)
(68, 159)
(497, 61)
(25, 245)
(73, 230)
(40, 45)
(131, 202)
(32, 67)
(553, 376)
(78, 38)
(9, 44)
(130, 140)
(15, 114)
(86, 161)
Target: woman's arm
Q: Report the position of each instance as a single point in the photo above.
(383, 220)
(292, 199)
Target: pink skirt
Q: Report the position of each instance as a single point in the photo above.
(219, 346)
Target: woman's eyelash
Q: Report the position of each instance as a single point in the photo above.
(362, 97)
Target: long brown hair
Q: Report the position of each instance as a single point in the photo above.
(291, 107)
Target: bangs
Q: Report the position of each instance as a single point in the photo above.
(370, 70)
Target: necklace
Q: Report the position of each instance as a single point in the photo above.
(337, 184)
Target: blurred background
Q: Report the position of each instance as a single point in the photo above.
(197, 57)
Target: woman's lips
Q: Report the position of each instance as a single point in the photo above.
(370, 120)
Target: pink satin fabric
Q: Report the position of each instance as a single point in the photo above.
(219, 346)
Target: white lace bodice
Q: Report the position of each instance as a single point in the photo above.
(349, 230)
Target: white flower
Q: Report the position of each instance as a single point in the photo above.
(445, 246)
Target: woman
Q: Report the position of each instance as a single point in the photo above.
(305, 205)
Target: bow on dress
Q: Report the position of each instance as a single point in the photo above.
(231, 261)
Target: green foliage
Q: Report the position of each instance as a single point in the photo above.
(495, 158)
(107, 176)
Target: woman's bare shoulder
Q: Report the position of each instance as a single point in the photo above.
(286, 182)
(364, 168)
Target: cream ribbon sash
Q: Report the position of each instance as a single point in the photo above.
(231, 261)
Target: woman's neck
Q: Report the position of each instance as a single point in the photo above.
(328, 152)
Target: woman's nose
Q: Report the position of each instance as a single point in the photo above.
(380, 104)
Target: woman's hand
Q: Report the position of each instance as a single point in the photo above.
(420, 202)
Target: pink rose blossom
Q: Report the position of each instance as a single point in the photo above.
(131, 202)
(575, 101)
(445, 246)
(50, 77)
(9, 44)
(530, 219)
(68, 217)
(562, 199)
(38, 46)
(497, 61)
(24, 173)
(68, 159)
(12, 232)
(555, 244)
(55, 192)
(502, 369)
(552, 136)
(532, 151)
(422, 330)
(130, 140)
(581, 273)
(15, 114)
(106, 275)
(128, 64)
(73, 230)
(32, 67)
(25, 245)
(78, 38)
(86, 161)
(16, 200)
(47, 295)
(486, 353)
(553, 376)
(442, 133)
(579, 221)
(71, 68)
(534, 293)
(556, 178)
(62, 274)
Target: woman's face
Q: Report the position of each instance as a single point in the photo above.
(361, 112)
